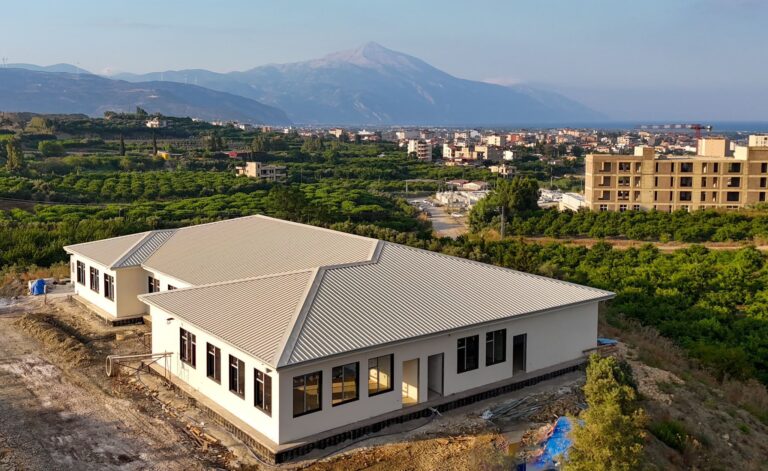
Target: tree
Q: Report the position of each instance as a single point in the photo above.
(520, 194)
(122, 145)
(213, 142)
(140, 112)
(260, 144)
(609, 435)
(14, 155)
(154, 143)
(312, 144)
(51, 148)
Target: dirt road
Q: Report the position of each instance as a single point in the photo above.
(54, 419)
(443, 224)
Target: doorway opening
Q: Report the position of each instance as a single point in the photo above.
(435, 376)
(410, 382)
(519, 351)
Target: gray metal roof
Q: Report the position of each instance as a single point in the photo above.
(107, 251)
(254, 246)
(410, 293)
(253, 315)
(139, 253)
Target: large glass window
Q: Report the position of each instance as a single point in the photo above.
(467, 353)
(306, 393)
(262, 391)
(213, 362)
(495, 347)
(109, 287)
(81, 273)
(153, 285)
(344, 383)
(236, 376)
(94, 279)
(187, 347)
(380, 375)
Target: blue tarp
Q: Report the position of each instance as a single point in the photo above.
(38, 287)
(604, 341)
(554, 447)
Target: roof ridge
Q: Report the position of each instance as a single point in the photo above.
(296, 325)
(139, 244)
(106, 238)
(318, 228)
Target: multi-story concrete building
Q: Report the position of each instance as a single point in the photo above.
(712, 179)
(420, 148)
(270, 173)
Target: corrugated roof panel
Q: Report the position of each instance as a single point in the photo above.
(410, 293)
(253, 315)
(141, 251)
(107, 251)
(254, 246)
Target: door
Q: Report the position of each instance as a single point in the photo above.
(435, 376)
(519, 352)
(410, 382)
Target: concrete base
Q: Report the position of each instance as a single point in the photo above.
(274, 453)
(105, 316)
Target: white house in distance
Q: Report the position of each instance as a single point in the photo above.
(301, 337)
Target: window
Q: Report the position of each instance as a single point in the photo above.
(605, 195)
(306, 393)
(213, 362)
(686, 196)
(94, 279)
(606, 167)
(686, 182)
(704, 167)
(344, 380)
(761, 196)
(262, 391)
(655, 181)
(625, 166)
(188, 347)
(637, 181)
(237, 376)
(495, 347)
(763, 182)
(153, 285)
(171, 287)
(623, 181)
(714, 182)
(467, 352)
(672, 167)
(716, 167)
(623, 195)
(622, 208)
(638, 166)
(605, 181)
(703, 196)
(732, 196)
(764, 167)
(81, 273)
(603, 207)
(703, 182)
(672, 182)
(657, 167)
(635, 207)
(733, 182)
(380, 374)
(734, 167)
(655, 196)
(109, 287)
(686, 167)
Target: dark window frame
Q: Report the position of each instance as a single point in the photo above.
(171, 288)
(262, 391)
(80, 274)
(467, 353)
(93, 278)
(493, 339)
(187, 347)
(213, 362)
(304, 386)
(237, 381)
(391, 387)
(109, 286)
(343, 377)
(153, 285)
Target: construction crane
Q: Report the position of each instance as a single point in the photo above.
(697, 128)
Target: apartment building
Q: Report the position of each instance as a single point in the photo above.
(715, 178)
(420, 148)
(259, 170)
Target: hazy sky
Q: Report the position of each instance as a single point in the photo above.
(665, 59)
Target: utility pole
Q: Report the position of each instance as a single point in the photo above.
(503, 220)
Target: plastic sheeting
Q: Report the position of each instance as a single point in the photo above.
(37, 287)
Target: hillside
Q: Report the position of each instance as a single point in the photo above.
(375, 85)
(58, 92)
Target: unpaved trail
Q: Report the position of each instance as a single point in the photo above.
(51, 420)
(627, 243)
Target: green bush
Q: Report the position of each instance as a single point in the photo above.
(671, 432)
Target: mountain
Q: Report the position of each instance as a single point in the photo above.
(375, 85)
(67, 68)
(57, 92)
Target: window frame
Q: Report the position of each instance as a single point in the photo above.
(262, 389)
(80, 272)
(304, 377)
(464, 366)
(153, 284)
(109, 286)
(187, 347)
(239, 388)
(391, 387)
(216, 362)
(93, 278)
(357, 383)
(490, 347)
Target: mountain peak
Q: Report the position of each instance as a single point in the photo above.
(371, 55)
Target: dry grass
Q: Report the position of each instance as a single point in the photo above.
(13, 281)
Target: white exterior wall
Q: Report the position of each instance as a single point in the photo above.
(553, 338)
(165, 338)
(84, 290)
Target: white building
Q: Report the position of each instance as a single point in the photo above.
(298, 335)
(406, 134)
(156, 123)
(420, 148)
(272, 173)
(572, 201)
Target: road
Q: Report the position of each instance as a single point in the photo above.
(443, 224)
